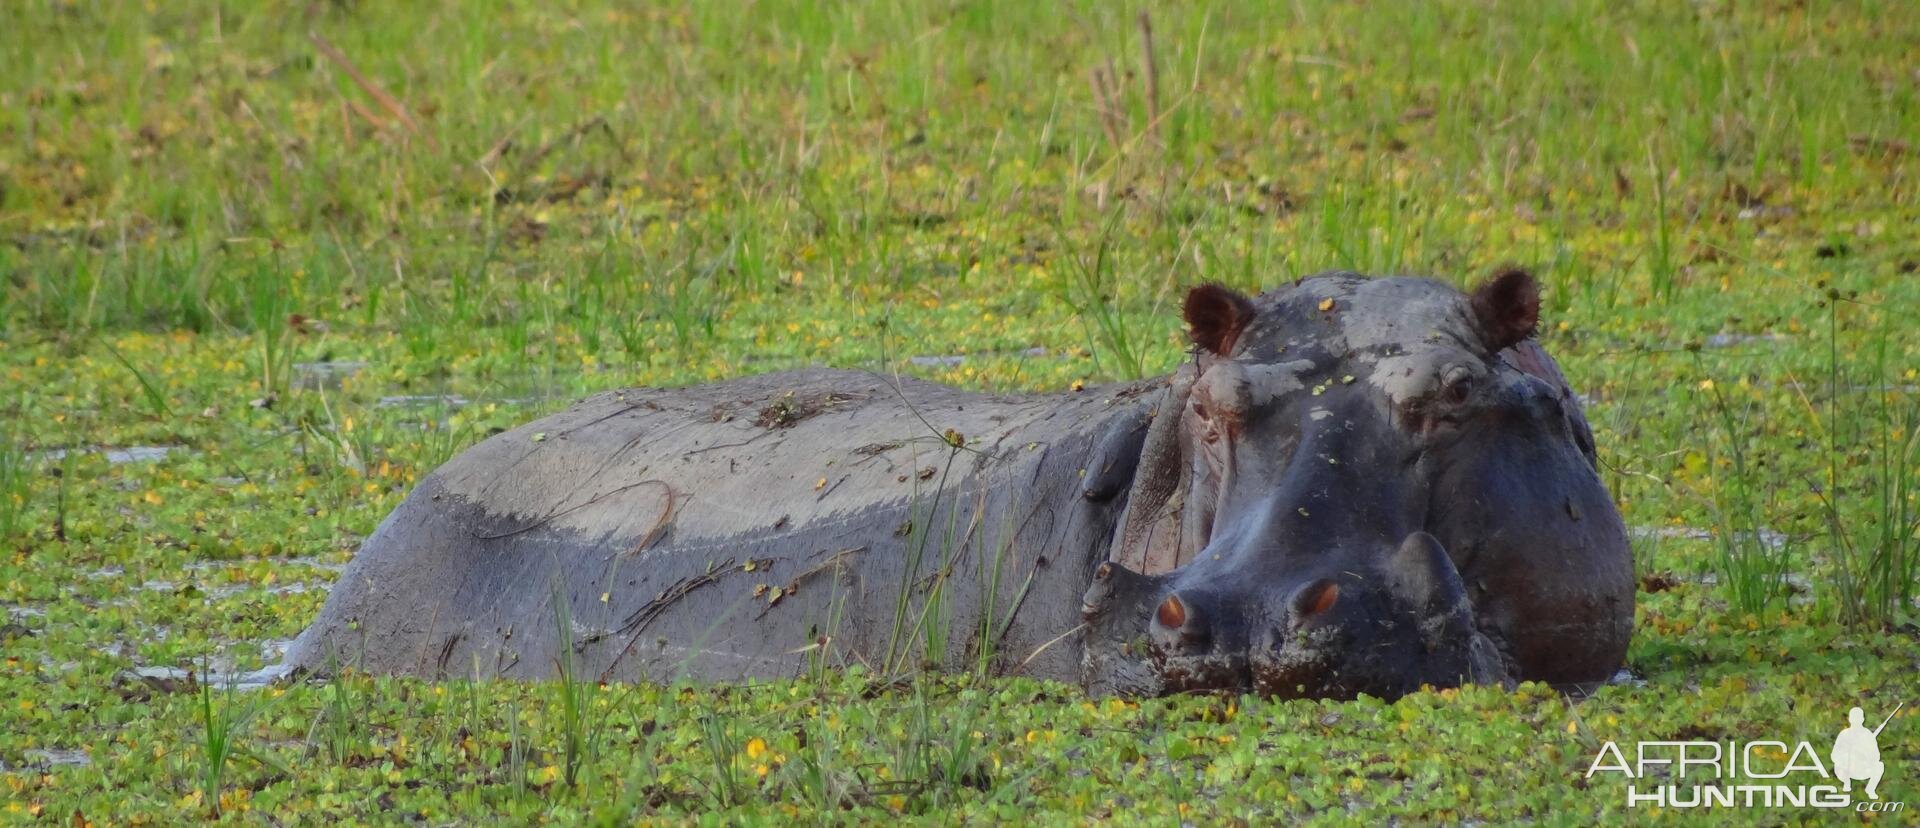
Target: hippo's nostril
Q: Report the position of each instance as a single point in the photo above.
(1177, 628)
(1172, 613)
(1314, 599)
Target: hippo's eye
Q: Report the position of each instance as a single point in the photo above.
(1457, 387)
(1209, 431)
(1442, 404)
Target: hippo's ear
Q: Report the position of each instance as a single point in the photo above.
(1216, 315)
(1507, 306)
(1423, 577)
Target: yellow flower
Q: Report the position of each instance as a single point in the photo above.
(755, 747)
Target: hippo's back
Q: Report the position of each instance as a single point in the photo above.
(736, 530)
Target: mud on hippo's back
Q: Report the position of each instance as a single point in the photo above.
(740, 530)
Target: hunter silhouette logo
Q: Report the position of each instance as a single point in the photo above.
(1856, 752)
(1764, 773)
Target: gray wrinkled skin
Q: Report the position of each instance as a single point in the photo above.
(667, 520)
(744, 529)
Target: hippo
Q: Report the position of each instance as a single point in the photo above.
(1355, 486)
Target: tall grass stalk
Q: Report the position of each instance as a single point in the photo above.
(936, 619)
(62, 493)
(1876, 565)
(817, 771)
(155, 400)
(16, 478)
(343, 724)
(576, 742)
(1661, 269)
(351, 448)
(722, 748)
(269, 307)
(902, 631)
(221, 726)
(936, 756)
(517, 751)
(1753, 561)
(1091, 290)
(820, 651)
(992, 627)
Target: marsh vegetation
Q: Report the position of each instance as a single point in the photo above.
(263, 267)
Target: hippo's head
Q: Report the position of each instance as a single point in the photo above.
(1377, 491)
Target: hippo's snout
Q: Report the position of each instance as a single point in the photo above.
(1198, 644)
(1271, 644)
(1385, 628)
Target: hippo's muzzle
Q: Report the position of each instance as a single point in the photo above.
(1198, 650)
(1381, 630)
(1276, 644)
